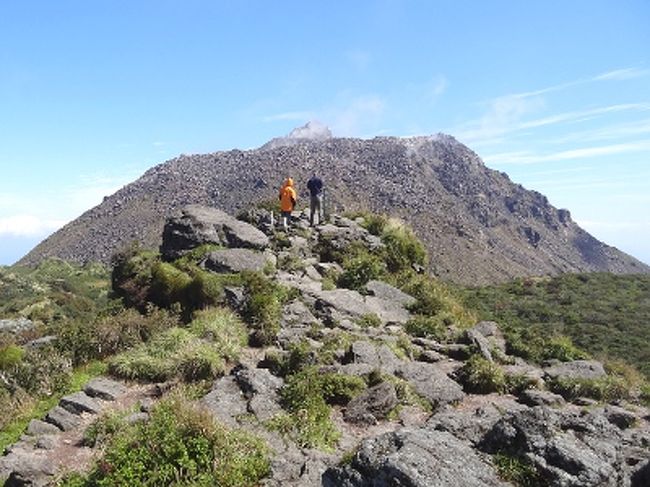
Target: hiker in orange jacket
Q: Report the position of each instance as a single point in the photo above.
(288, 198)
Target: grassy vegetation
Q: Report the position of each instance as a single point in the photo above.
(480, 376)
(199, 352)
(517, 470)
(604, 314)
(179, 445)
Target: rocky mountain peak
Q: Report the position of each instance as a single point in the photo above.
(312, 131)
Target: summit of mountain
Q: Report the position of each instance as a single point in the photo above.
(478, 225)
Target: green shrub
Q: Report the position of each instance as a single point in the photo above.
(168, 285)
(562, 348)
(222, 328)
(518, 383)
(479, 375)
(179, 445)
(517, 470)
(360, 269)
(102, 429)
(308, 421)
(41, 372)
(434, 298)
(132, 275)
(341, 388)
(370, 320)
(607, 388)
(435, 327)
(263, 306)
(402, 248)
(10, 355)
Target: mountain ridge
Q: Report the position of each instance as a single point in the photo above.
(477, 224)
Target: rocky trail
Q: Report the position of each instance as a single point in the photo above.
(417, 424)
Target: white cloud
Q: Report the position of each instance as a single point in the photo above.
(527, 157)
(28, 225)
(358, 113)
(622, 74)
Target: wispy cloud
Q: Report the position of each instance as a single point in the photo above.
(527, 157)
(360, 112)
(617, 131)
(622, 74)
(28, 225)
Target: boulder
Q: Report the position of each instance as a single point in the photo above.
(226, 401)
(371, 405)
(16, 325)
(104, 388)
(491, 331)
(577, 369)
(27, 469)
(385, 291)
(535, 397)
(197, 225)
(431, 383)
(415, 458)
(368, 354)
(481, 344)
(620, 417)
(228, 261)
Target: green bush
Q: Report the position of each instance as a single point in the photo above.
(360, 269)
(435, 327)
(10, 356)
(131, 275)
(309, 420)
(179, 445)
(41, 372)
(607, 388)
(263, 306)
(221, 327)
(517, 470)
(479, 375)
(341, 388)
(562, 348)
(402, 248)
(370, 320)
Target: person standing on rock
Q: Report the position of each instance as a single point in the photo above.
(315, 186)
(288, 198)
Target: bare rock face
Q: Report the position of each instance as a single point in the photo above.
(478, 225)
(414, 457)
(197, 225)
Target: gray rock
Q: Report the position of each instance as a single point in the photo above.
(36, 427)
(371, 405)
(28, 469)
(261, 388)
(105, 388)
(535, 397)
(641, 477)
(414, 458)
(430, 383)
(146, 405)
(227, 261)
(389, 312)
(430, 356)
(567, 449)
(41, 342)
(196, 225)
(620, 417)
(491, 331)
(374, 357)
(47, 442)
(226, 401)
(472, 423)
(63, 419)
(577, 369)
(80, 402)
(16, 325)
(235, 297)
(480, 343)
(383, 290)
(340, 304)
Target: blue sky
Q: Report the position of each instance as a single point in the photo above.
(555, 93)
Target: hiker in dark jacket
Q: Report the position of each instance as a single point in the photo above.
(315, 186)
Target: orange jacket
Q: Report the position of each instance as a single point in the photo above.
(288, 196)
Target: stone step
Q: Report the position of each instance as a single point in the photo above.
(80, 402)
(104, 388)
(63, 419)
